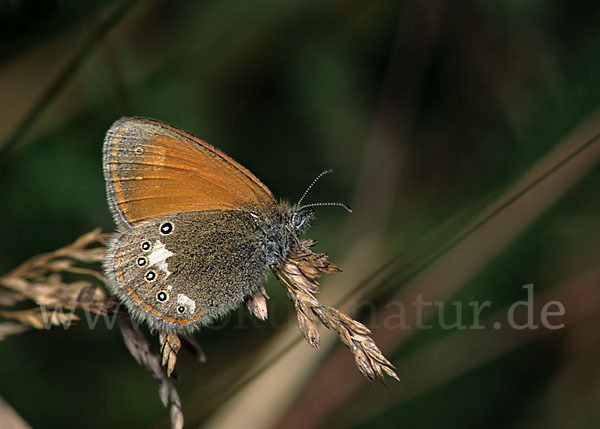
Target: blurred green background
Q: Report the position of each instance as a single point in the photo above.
(431, 113)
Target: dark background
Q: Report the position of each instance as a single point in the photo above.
(427, 111)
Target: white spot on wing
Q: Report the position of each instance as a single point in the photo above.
(187, 301)
(159, 256)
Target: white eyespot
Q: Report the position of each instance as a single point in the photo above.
(166, 228)
(159, 256)
(187, 301)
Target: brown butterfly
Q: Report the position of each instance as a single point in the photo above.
(198, 233)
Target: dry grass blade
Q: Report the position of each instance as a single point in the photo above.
(9, 417)
(46, 280)
(170, 344)
(257, 304)
(139, 347)
(41, 317)
(299, 277)
(10, 328)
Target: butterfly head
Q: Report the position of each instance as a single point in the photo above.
(299, 217)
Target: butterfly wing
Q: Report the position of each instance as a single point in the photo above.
(153, 169)
(181, 271)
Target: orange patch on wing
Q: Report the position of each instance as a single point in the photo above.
(177, 172)
(218, 153)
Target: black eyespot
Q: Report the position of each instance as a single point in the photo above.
(162, 296)
(166, 228)
(141, 261)
(146, 245)
(150, 275)
(139, 150)
(181, 309)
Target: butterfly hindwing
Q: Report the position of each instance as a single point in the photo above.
(186, 269)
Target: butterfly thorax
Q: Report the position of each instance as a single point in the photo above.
(281, 231)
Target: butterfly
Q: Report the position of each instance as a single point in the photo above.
(197, 232)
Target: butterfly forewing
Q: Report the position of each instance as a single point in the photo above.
(153, 170)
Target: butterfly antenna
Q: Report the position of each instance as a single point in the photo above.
(326, 204)
(320, 204)
(313, 184)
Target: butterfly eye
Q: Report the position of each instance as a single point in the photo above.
(297, 220)
(162, 296)
(181, 309)
(150, 275)
(166, 228)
